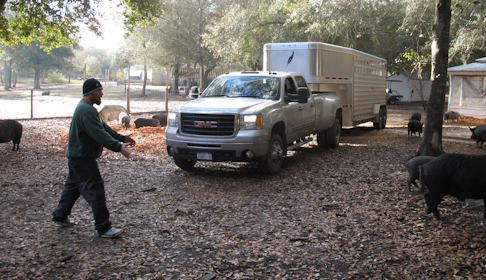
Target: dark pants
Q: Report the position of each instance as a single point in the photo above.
(84, 179)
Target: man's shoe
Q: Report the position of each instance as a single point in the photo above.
(64, 223)
(112, 233)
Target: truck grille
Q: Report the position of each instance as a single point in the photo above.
(208, 124)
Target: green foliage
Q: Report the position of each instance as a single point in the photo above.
(56, 77)
(468, 30)
(238, 36)
(142, 13)
(32, 57)
(52, 24)
(96, 60)
(120, 76)
(120, 59)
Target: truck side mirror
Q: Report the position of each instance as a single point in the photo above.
(302, 95)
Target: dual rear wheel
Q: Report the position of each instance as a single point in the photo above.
(330, 138)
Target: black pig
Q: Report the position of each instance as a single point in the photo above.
(413, 165)
(141, 122)
(451, 116)
(479, 133)
(10, 130)
(455, 174)
(417, 116)
(162, 117)
(413, 127)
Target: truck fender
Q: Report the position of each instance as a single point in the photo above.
(331, 108)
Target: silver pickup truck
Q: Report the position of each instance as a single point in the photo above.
(252, 116)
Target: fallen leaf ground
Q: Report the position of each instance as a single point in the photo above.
(329, 214)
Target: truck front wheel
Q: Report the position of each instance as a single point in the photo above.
(274, 158)
(184, 163)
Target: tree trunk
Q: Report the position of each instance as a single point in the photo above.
(175, 90)
(6, 74)
(432, 140)
(15, 79)
(202, 78)
(37, 78)
(144, 81)
(206, 75)
(10, 74)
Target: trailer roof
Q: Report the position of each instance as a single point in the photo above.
(317, 45)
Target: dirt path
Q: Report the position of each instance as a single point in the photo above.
(329, 214)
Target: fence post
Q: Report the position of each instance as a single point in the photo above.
(32, 104)
(128, 90)
(166, 89)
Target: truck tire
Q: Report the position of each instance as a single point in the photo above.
(333, 134)
(321, 139)
(184, 163)
(273, 161)
(381, 120)
(384, 117)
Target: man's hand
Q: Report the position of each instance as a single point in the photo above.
(129, 140)
(124, 150)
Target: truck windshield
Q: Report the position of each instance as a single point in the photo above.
(248, 86)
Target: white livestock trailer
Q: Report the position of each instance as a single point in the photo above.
(358, 78)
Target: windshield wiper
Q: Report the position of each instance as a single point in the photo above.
(255, 96)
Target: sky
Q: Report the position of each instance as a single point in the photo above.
(111, 23)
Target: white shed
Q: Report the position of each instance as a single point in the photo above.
(409, 86)
(136, 73)
(467, 92)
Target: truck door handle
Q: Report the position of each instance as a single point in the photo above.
(301, 108)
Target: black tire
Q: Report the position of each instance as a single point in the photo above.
(381, 120)
(273, 161)
(384, 117)
(184, 163)
(333, 134)
(392, 101)
(321, 139)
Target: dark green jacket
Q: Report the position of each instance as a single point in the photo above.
(88, 133)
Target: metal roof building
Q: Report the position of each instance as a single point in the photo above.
(467, 92)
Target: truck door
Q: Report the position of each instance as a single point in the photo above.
(308, 109)
(293, 112)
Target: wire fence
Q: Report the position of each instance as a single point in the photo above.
(60, 100)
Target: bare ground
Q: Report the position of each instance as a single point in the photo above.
(330, 214)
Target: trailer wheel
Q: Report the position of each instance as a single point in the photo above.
(333, 134)
(184, 163)
(273, 161)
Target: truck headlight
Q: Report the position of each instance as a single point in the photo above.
(173, 119)
(251, 122)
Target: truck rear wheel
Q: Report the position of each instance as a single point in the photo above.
(184, 163)
(333, 134)
(321, 139)
(381, 119)
(273, 161)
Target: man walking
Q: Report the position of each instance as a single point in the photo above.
(88, 135)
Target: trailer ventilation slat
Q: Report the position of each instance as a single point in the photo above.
(208, 124)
